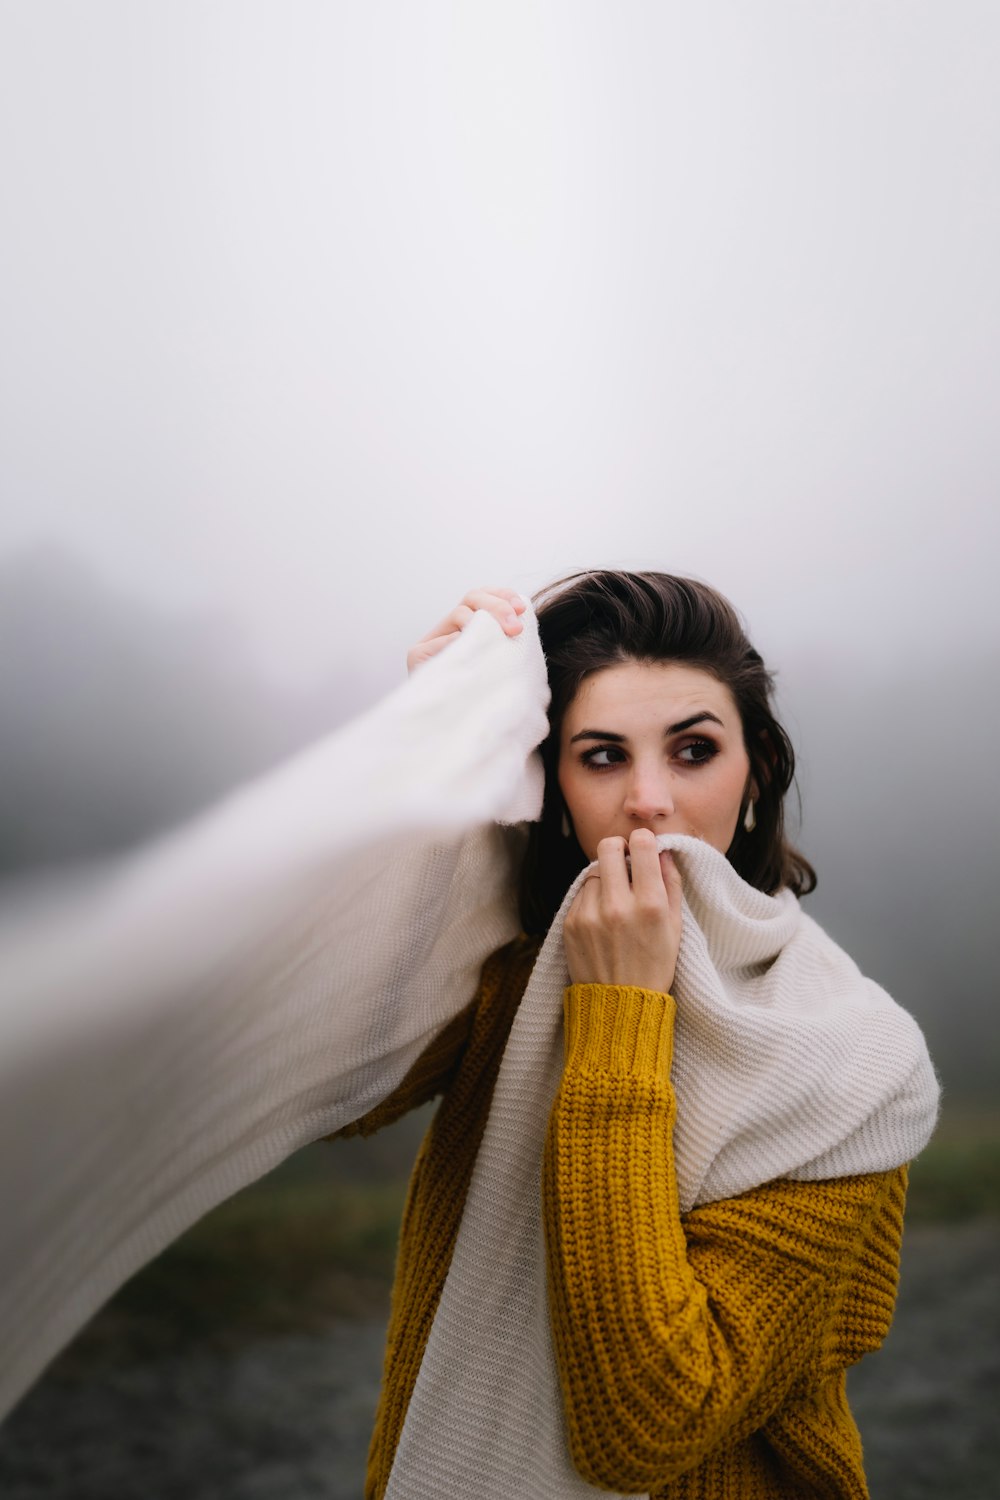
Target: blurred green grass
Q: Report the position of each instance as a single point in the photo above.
(285, 1255)
(957, 1176)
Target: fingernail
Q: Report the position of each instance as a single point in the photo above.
(511, 619)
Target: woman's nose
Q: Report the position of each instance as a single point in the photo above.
(649, 795)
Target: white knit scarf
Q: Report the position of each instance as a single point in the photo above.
(787, 1063)
(270, 973)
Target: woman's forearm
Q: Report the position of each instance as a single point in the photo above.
(667, 1349)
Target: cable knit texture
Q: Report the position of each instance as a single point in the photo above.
(698, 1354)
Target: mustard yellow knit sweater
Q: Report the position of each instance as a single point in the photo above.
(702, 1356)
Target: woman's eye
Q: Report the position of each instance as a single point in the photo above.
(697, 752)
(590, 758)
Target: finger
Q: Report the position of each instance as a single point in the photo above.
(648, 880)
(582, 903)
(424, 650)
(671, 879)
(454, 621)
(518, 601)
(503, 604)
(590, 899)
(457, 619)
(500, 604)
(614, 872)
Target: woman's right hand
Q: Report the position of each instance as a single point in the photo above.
(504, 604)
(623, 929)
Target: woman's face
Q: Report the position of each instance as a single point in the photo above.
(655, 745)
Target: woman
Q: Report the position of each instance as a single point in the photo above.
(719, 1246)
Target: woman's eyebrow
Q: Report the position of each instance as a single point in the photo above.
(620, 739)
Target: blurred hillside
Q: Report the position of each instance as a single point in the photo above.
(117, 721)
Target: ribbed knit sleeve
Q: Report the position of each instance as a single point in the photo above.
(679, 1336)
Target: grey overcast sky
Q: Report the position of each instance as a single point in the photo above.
(316, 314)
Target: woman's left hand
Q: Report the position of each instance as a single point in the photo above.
(622, 932)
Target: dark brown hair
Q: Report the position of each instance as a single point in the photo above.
(589, 621)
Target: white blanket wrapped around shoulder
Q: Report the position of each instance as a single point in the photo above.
(269, 973)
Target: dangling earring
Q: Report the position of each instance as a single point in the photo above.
(567, 831)
(750, 818)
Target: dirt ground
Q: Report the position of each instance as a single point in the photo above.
(287, 1418)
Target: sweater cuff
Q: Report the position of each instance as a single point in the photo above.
(620, 1029)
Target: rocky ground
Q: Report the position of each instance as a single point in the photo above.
(287, 1417)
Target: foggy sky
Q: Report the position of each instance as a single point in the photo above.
(317, 315)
